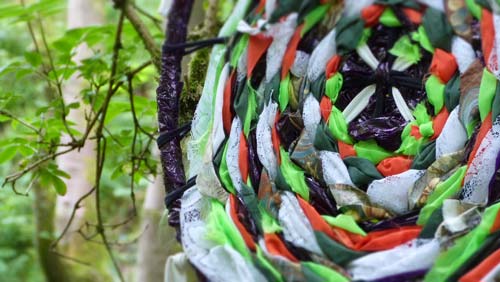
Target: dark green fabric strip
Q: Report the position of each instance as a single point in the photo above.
(438, 29)
(361, 171)
(452, 93)
(323, 140)
(425, 157)
(349, 32)
(336, 252)
(432, 224)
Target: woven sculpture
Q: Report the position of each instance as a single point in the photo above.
(348, 140)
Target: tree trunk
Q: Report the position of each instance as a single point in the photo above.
(43, 211)
(155, 244)
(78, 164)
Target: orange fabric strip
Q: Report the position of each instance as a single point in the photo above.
(346, 150)
(332, 66)
(317, 222)
(388, 239)
(478, 272)
(443, 65)
(394, 165)
(227, 116)
(326, 108)
(241, 228)
(371, 14)
(487, 33)
(439, 122)
(291, 50)
(257, 46)
(243, 158)
(415, 132)
(413, 15)
(276, 247)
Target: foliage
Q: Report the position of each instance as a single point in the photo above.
(36, 64)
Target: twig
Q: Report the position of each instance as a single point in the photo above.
(101, 145)
(144, 33)
(76, 206)
(11, 116)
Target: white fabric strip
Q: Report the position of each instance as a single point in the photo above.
(401, 105)
(453, 136)
(232, 156)
(311, 115)
(482, 168)
(320, 56)
(281, 32)
(367, 56)
(359, 103)
(334, 169)
(218, 134)
(296, 228)
(392, 192)
(416, 255)
(264, 139)
(463, 50)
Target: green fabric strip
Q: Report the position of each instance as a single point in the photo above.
(284, 92)
(294, 175)
(336, 252)
(345, 222)
(251, 111)
(313, 17)
(333, 86)
(474, 8)
(435, 93)
(371, 151)
(405, 49)
(421, 37)
(319, 273)
(338, 126)
(411, 145)
(450, 260)
(238, 50)
(224, 173)
(487, 91)
(420, 114)
(361, 171)
(426, 129)
(221, 229)
(444, 190)
(388, 18)
(452, 93)
(438, 30)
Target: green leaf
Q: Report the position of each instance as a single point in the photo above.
(8, 153)
(59, 185)
(33, 58)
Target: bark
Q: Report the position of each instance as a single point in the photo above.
(43, 210)
(169, 90)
